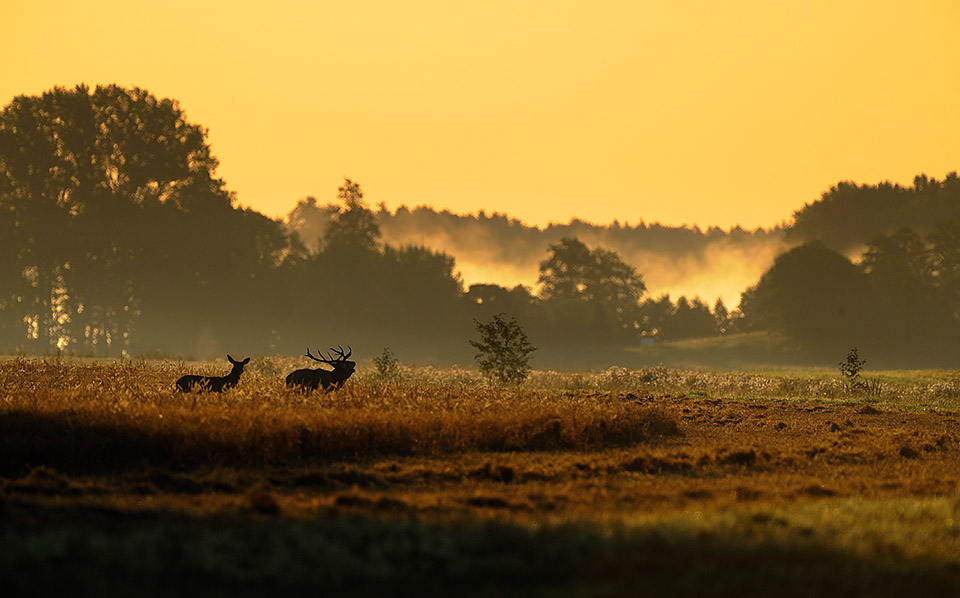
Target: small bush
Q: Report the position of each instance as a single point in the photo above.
(850, 374)
(503, 350)
(851, 368)
(388, 366)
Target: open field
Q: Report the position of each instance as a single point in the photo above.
(621, 482)
(752, 351)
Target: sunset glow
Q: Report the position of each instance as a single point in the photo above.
(434, 297)
(698, 112)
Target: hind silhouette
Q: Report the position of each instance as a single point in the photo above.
(213, 383)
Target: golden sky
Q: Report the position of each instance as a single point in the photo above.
(709, 112)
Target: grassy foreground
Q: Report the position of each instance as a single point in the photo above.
(621, 482)
(829, 548)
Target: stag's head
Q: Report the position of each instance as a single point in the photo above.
(340, 364)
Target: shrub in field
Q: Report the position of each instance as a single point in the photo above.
(503, 350)
(850, 374)
(388, 366)
(851, 368)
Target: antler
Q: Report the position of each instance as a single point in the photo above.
(342, 356)
(313, 357)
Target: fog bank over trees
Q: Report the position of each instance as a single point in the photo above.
(495, 248)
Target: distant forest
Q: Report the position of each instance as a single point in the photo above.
(849, 215)
(872, 265)
(497, 248)
(116, 237)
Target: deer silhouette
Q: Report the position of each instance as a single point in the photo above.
(308, 380)
(213, 383)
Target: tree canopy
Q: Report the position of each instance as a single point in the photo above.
(94, 185)
(595, 282)
(898, 302)
(848, 214)
(352, 227)
(812, 294)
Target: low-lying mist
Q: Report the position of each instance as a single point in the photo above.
(678, 261)
(719, 270)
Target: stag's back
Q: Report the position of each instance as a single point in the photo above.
(307, 379)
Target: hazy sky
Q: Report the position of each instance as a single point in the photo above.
(699, 111)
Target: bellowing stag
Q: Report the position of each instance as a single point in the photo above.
(308, 380)
(213, 383)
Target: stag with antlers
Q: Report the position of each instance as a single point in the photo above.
(308, 380)
(213, 383)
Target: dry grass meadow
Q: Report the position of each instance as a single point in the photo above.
(615, 483)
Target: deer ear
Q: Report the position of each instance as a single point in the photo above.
(231, 359)
(247, 360)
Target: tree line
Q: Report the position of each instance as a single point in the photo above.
(899, 302)
(848, 214)
(873, 266)
(117, 236)
(684, 259)
(499, 238)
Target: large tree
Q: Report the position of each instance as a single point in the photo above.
(114, 201)
(913, 283)
(596, 284)
(943, 263)
(309, 220)
(353, 227)
(814, 296)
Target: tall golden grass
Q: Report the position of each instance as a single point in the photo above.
(79, 417)
(819, 498)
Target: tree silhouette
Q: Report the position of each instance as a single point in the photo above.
(503, 350)
(116, 234)
(576, 279)
(943, 267)
(309, 221)
(812, 295)
(849, 214)
(352, 227)
(118, 214)
(905, 275)
(691, 319)
(655, 316)
(491, 299)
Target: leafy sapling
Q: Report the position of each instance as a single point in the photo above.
(503, 350)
